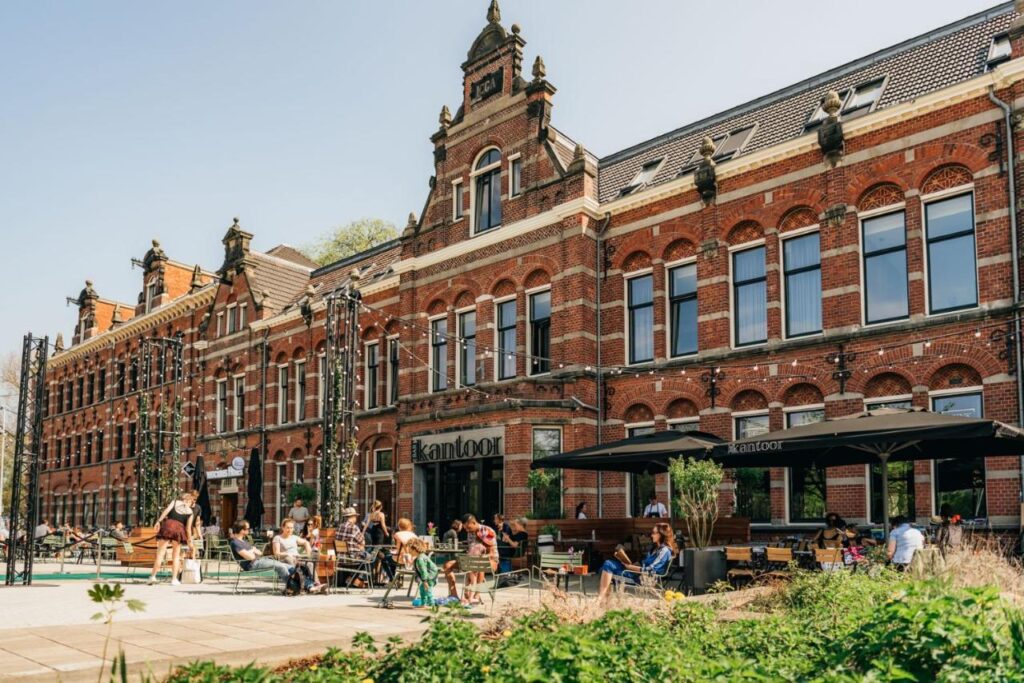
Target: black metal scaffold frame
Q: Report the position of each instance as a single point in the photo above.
(155, 477)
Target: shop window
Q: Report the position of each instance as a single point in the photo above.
(488, 191)
(540, 333)
(750, 296)
(439, 354)
(960, 483)
(641, 486)
(801, 260)
(507, 339)
(807, 489)
(885, 268)
(467, 349)
(547, 504)
(682, 292)
(640, 318)
(372, 360)
(952, 267)
(753, 484)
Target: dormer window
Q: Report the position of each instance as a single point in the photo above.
(856, 102)
(727, 146)
(998, 51)
(644, 176)
(150, 296)
(487, 191)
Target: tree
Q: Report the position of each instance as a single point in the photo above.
(350, 239)
(10, 382)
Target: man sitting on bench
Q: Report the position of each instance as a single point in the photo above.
(249, 558)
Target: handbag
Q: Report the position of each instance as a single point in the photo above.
(192, 573)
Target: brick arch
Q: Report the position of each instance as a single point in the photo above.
(436, 307)
(638, 412)
(680, 228)
(787, 199)
(802, 394)
(321, 347)
(381, 441)
(971, 156)
(465, 299)
(679, 249)
(748, 399)
(279, 456)
(636, 261)
(371, 332)
(299, 353)
(887, 383)
(281, 358)
(297, 454)
(946, 177)
(879, 195)
(537, 278)
(393, 327)
(798, 217)
(504, 287)
(744, 231)
(954, 375)
(681, 407)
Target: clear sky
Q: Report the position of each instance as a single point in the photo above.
(126, 121)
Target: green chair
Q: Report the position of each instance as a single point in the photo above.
(551, 565)
(480, 564)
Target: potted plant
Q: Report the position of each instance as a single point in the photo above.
(546, 538)
(696, 483)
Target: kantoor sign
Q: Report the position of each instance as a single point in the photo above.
(468, 445)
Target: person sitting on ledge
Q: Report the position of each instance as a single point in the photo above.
(655, 564)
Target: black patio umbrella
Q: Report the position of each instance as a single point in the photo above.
(254, 491)
(646, 453)
(202, 489)
(878, 436)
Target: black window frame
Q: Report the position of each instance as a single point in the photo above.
(631, 311)
(675, 301)
(540, 336)
(372, 356)
(283, 380)
(502, 329)
(394, 352)
(223, 414)
(484, 184)
(238, 389)
(738, 284)
(467, 350)
(438, 355)
(787, 272)
(865, 255)
(929, 241)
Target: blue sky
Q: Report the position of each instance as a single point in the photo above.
(126, 121)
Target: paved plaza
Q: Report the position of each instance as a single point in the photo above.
(46, 632)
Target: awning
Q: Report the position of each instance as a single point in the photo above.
(648, 453)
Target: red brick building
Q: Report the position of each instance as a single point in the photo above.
(546, 296)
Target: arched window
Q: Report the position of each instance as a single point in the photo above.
(487, 194)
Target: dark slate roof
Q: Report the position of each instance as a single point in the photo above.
(374, 265)
(276, 279)
(930, 62)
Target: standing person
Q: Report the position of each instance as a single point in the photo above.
(655, 508)
(173, 525)
(376, 527)
(950, 534)
(904, 541)
(581, 510)
(426, 572)
(403, 537)
(655, 563)
(299, 513)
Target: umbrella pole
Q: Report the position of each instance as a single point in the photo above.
(884, 457)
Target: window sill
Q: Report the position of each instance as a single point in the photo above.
(478, 233)
(949, 312)
(805, 335)
(883, 323)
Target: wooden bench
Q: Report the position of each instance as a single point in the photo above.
(139, 550)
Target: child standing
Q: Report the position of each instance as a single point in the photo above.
(426, 571)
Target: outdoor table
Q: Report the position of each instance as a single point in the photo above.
(576, 543)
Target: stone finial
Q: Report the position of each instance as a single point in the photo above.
(197, 278)
(539, 70)
(705, 177)
(578, 153)
(832, 104)
(58, 343)
(707, 148)
(412, 222)
(494, 13)
(445, 119)
(234, 222)
(116, 318)
(516, 28)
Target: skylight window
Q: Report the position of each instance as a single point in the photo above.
(856, 102)
(727, 146)
(998, 51)
(644, 176)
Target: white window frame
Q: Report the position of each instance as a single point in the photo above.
(626, 277)
(561, 445)
(300, 389)
(220, 324)
(785, 425)
(221, 415)
(367, 394)
(958, 391)
(529, 330)
(232, 320)
(239, 417)
(938, 197)
(861, 217)
(458, 351)
(151, 295)
(783, 238)
(458, 208)
(283, 392)
(278, 498)
(473, 173)
(433, 377)
(377, 471)
(753, 244)
(513, 161)
(241, 316)
(669, 267)
(626, 427)
(498, 351)
(683, 421)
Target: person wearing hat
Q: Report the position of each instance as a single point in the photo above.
(352, 536)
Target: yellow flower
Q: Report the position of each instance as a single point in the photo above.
(367, 680)
(506, 633)
(313, 667)
(485, 669)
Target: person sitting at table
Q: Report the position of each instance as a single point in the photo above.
(834, 535)
(286, 549)
(117, 531)
(512, 545)
(451, 537)
(655, 563)
(904, 541)
(312, 531)
(351, 534)
(500, 525)
(949, 536)
(482, 541)
(250, 558)
(403, 537)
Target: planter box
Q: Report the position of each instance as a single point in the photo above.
(701, 568)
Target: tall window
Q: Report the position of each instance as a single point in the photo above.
(150, 296)
(232, 321)
(901, 478)
(439, 354)
(467, 349)
(384, 459)
(682, 302)
(393, 350)
(459, 199)
(640, 312)
(372, 374)
(753, 484)
(960, 483)
(121, 377)
(282, 394)
(806, 484)
(547, 502)
(540, 333)
(133, 439)
(321, 386)
(488, 191)
(88, 448)
(516, 181)
(99, 446)
(801, 262)
(952, 271)
(239, 403)
(222, 406)
(300, 391)
(750, 296)
(507, 339)
(91, 389)
(102, 382)
(885, 268)
(641, 486)
(118, 443)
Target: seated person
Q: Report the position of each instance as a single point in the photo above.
(656, 562)
(403, 537)
(117, 532)
(351, 534)
(904, 541)
(512, 544)
(501, 526)
(212, 529)
(286, 549)
(451, 537)
(249, 558)
(42, 530)
(834, 535)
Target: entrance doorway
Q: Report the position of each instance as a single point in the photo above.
(459, 487)
(228, 510)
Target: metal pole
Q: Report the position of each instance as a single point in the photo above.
(884, 457)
